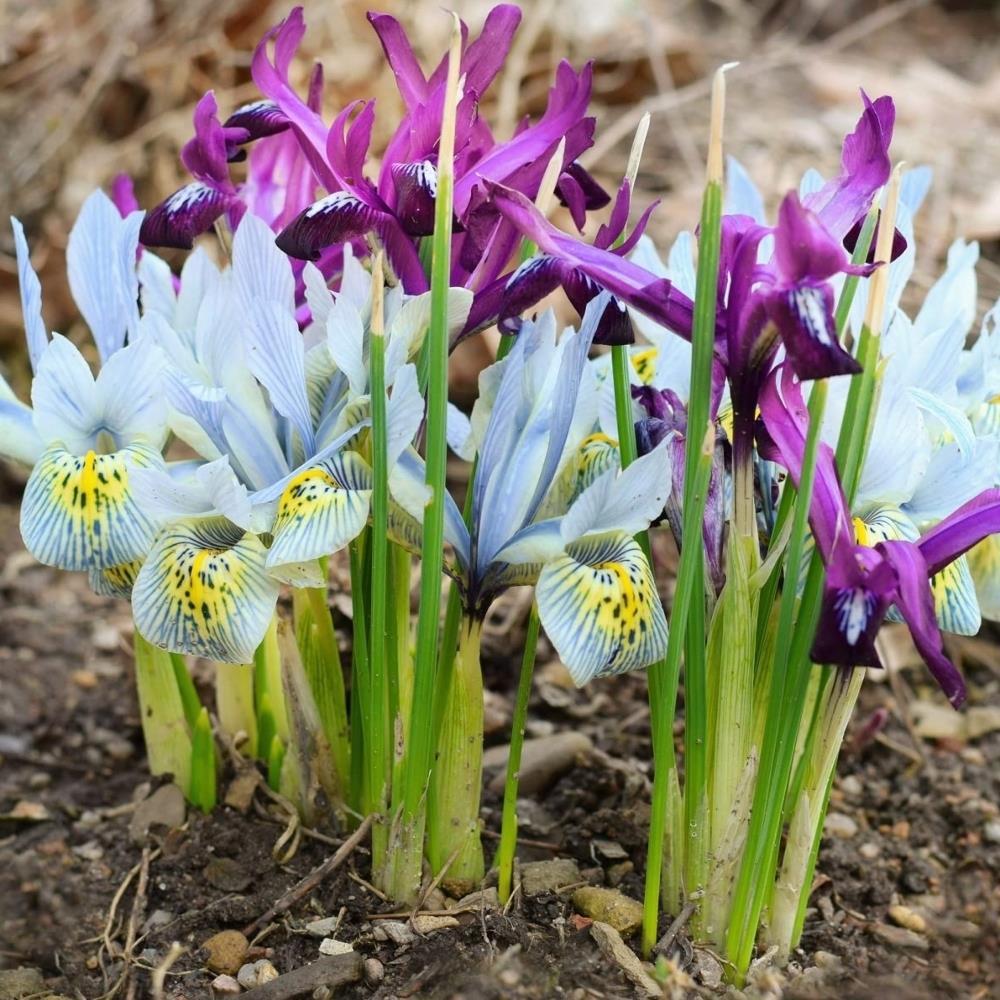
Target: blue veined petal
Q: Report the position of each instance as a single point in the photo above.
(100, 265)
(179, 493)
(276, 356)
(951, 300)
(599, 606)
(31, 297)
(953, 478)
(130, 390)
(19, 441)
(521, 560)
(156, 287)
(345, 338)
(261, 272)
(321, 510)
(984, 562)
(64, 397)
(204, 589)
(79, 512)
(115, 581)
(404, 414)
(955, 602)
(952, 422)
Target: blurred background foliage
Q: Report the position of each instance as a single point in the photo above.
(88, 89)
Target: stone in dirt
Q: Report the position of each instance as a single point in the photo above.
(548, 876)
(899, 937)
(165, 807)
(395, 931)
(428, 923)
(226, 986)
(374, 971)
(609, 906)
(331, 946)
(256, 974)
(614, 949)
(226, 951)
(542, 760)
(903, 916)
(840, 825)
(323, 927)
(227, 875)
(483, 899)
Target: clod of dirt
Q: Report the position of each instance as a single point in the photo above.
(18, 983)
(609, 906)
(542, 760)
(165, 807)
(227, 875)
(226, 951)
(614, 949)
(548, 876)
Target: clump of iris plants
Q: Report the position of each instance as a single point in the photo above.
(283, 401)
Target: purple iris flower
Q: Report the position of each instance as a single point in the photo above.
(194, 209)
(863, 582)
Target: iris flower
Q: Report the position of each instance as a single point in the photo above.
(84, 435)
(864, 581)
(596, 596)
(277, 414)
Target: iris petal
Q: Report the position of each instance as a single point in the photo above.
(321, 510)
(204, 590)
(599, 606)
(115, 581)
(78, 512)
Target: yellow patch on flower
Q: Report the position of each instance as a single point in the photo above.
(955, 599)
(644, 363)
(115, 581)
(204, 590)
(78, 512)
(599, 605)
(595, 455)
(321, 510)
(984, 563)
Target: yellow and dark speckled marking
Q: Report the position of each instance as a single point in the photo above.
(204, 590)
(78, 512)
(599, 605)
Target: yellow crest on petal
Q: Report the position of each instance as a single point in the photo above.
(644, 363)
(115, 581)
(204, 590)
(599, 605)
(594, 456)
(78, 512)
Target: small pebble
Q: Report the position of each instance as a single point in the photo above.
(962, 930)
(826, 960)
(851, 785)
(899, 937)
(869, 851)
(991, 832)
(256, 974)
(227, 875)
(374, 971)
(225, 986)
(331, 946)
(165, 807)
(910, 919)
(548, 876)
(609, 906)
(323, 927)
(840, 825)
(395, 931)
(428, 923)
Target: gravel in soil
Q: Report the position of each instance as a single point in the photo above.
(905, 904)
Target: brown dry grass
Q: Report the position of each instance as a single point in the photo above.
(88, 89)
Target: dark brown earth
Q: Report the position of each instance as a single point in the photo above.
(73, 768)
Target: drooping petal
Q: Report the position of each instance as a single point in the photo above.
(914, 599)
(803, 315)
(79, 512)
(337, 218)
(963, 528)
(204, 590)
(259, 119)
(31, 297)
(410, 80)
(19, 441)
(321, 510)
(187, 213)
(599, 606)
(416, 192)
(100, 266)
(631, 283)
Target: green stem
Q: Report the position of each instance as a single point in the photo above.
(203, 762)
(623, 405)
(234, 702)
(508, 825)
(404, 870)
(332, 684)
(360, 679)
(188, 692)
(268, 682)
(164, 726)
(453, 839)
